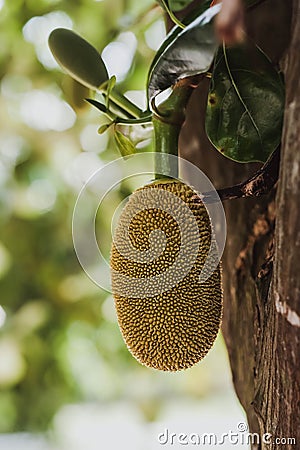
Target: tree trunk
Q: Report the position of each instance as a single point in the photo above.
(261, 262)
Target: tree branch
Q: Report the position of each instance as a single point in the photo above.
(259, 184)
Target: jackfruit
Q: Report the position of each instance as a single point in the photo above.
(169, 320)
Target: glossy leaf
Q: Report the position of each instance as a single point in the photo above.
(176, 30)
(78, 58)
(124, 144)
(191, 52)
(245, 104)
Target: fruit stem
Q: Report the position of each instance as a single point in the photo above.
(165, 143)
(168, 118)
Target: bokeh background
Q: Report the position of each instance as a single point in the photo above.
(67, 380)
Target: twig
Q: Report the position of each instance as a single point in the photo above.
(259, 184)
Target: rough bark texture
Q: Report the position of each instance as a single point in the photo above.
(261, 262)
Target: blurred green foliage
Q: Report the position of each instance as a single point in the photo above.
(59, 340)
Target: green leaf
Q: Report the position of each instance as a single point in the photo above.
(178, 5)
(176, 30)
(111, 84)
(105, 127)
(190, 52)
(245, 106)
(98, 105)
(124, 144)
(142, 120)
(102, 108)
(78, 58)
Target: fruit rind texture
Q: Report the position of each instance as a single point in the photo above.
(175, 329)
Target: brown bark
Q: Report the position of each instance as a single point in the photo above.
(261, 263)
